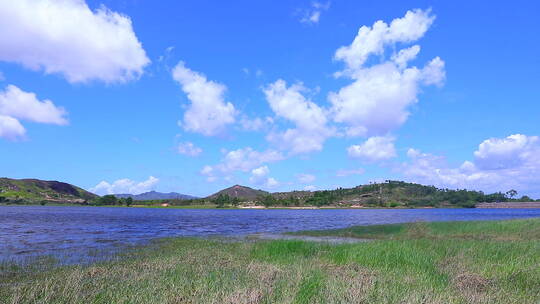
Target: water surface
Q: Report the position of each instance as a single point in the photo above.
(76, 233)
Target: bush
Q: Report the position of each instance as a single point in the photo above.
(467, 204)
(393, 204)
(108, 199)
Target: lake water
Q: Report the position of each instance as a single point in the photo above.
(77, 233)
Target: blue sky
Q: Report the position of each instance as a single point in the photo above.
(195, 96)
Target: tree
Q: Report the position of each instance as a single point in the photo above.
(222, 200)
(525, 198)
(129, 201)
(511, 193)
(108, 199)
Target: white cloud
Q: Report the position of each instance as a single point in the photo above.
(433, 73)
(189, 149)
(208, 112)
(123, 186)
(271, 183)
(66, 37)
(494, 167)
(512, 151)
(11, 128)
(306, 178)
(313, 14)
(16, 104)
(374, 149)
(209, 172)
(166, 55)
(378, 99)
(373, 40)
(247, 159)
(310, 188)
(405, 55)
(310, 120)
(255, 124)
(241, 160)
(345, 172)
(259, 176)
(25, 106)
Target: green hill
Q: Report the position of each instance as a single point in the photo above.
(387, 194)
(35, 190)
(239, 192)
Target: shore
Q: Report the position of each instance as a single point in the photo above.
(440, 262)
(509, 205)
(238, 207)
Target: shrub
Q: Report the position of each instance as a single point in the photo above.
(467, 204)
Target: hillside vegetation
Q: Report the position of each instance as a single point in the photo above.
(34, 191)
(392, 194)
(240, 192)
(387, 194)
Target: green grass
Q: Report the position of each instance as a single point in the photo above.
(452, 262)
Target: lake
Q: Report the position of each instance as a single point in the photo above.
(76, 234)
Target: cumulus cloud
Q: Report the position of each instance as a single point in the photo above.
(241, 160)
(189, 149)
(374, 149)
(378, 99)
(259, 176)
(345, 172)
(11, 128)
(306, 178)
(310, 188)
(209, 172)
(208, 112)
(313, 14)
(271, 183)
(246, 159)
(310, 120)
(512, 151)
(494, 167)
(373, 40)
(255, 124)
(66, 37)
(125, 186)
(16, 104)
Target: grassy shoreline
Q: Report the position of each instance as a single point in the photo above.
(439, 262)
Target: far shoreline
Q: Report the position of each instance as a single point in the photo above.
(513, 205)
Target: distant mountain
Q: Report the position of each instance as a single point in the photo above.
(240, 192)
(19, 190)
(153, 195)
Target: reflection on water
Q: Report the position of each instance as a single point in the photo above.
(76, 233)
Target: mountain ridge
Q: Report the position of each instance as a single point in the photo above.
(154, 195)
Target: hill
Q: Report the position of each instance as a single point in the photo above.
(387, 194)
(33, 190)
(240, 192)
(153, 195)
